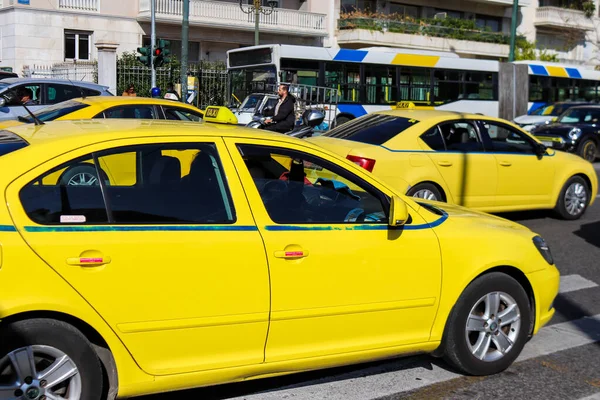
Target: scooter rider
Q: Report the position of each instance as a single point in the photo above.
(284, 117)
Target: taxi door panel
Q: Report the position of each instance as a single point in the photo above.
(341, 280)
(468, 171)
(175, 264)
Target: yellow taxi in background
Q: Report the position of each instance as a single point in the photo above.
(225, 265)
(472, 160)
(94, 107)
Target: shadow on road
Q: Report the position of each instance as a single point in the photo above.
(590, 233)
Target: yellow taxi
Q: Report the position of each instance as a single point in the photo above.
(224, 254)
(113, 107)
(480, 162)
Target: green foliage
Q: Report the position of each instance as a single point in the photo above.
(526, 50)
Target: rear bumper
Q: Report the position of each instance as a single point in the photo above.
(545, 285)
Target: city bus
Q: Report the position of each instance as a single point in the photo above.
(374, 79)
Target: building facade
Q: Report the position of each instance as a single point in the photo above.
(45, 32)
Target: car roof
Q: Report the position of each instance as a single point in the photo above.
(15, 81)
(422, 115)
(124, 100)
(595, 106)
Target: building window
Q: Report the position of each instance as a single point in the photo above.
(404, 10)
(78, 45)
(348, 6)
(490, 23)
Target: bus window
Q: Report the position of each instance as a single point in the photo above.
(447, 85)
(415, 84)
(479, 86)
(380, 84)
(345, 78)
(300, 72)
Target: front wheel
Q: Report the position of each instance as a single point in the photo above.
(488, 326)
(573, 199)
(426, 191)
(44, 358)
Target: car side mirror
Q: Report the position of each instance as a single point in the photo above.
(398, 212)
(540, 149)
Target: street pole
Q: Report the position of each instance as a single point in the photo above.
(513, 30)
(184, 49)
(152, 41)
(256, 21)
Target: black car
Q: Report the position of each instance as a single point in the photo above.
(577, 130)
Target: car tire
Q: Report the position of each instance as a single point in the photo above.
(573, 199)
(81, 175)
(426, 191)
(50, 343)
(478, 352)
(588, 149)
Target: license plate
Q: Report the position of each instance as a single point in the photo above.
(547, 144)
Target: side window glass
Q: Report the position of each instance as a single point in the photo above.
(167, 184)
(29, 94)
(506, 140)
(138, 111)
(68, 194)
(58, 93)
(181, 114)
(433, 138)
(298, 188)
(461, 136)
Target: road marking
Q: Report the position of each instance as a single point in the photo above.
(592, 397)
(572, 283)
(412, 373)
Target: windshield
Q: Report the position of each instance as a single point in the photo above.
(55, 111)
(372, 129)
(245, 81)
(580, 116)
(3, 86)
(251, 101)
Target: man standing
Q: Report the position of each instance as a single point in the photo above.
(284, 117)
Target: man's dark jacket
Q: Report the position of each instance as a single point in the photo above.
(286, 118)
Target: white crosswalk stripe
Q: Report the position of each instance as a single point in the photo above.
(572, 283)
(407, 374)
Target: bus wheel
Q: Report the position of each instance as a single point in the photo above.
(341, 120)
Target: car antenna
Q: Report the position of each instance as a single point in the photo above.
(77, 87)
(36, 120)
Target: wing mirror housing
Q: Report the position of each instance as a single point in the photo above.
(398, 212)
(540, 149)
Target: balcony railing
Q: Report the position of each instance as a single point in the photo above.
(562, 18)
(229, 15)
(79, 5)
(384, 25)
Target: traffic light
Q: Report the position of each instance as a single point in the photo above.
(158, 57)
(164, 45)
(144, 56)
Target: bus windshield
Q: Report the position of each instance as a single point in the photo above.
(245, 81)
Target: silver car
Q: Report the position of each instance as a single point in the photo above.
(44, 92)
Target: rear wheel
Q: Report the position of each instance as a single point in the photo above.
(588, 150)
(44, 358)
(488, 326)
(573, 199)
(427, 191)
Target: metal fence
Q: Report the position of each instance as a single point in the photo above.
(79, 71)
(212, 80)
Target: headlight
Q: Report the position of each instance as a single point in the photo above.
(544, 249)
(575, 133)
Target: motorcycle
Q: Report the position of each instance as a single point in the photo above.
(310, 120)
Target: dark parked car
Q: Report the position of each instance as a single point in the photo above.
(6, 74)
(577, 130)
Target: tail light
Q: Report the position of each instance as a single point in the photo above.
(366, 163)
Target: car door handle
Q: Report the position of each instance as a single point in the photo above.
(505, 163)
(445, 163)
(88, 261)
(293, 254)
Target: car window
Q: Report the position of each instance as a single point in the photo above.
(460, 136)
(507, 140)
(434, 139)
(131, 111)
(146, 184)
(580, 115)
(56, 93)
(181, 114)
(55, 111)
(372, 128)
(299, 188)
(31, 90)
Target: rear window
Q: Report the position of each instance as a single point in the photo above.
(372, 129)
(10, 142)
(55, 111)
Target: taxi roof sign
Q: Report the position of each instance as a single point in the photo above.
(219, 115)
